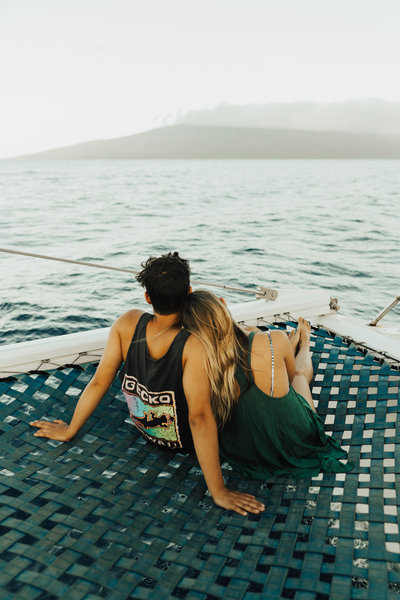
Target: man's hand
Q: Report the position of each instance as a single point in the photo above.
(93, 392)
(238, 501)
(55, 430)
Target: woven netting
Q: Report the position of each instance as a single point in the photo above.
(109, 516)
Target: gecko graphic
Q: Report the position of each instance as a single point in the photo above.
(150, 420)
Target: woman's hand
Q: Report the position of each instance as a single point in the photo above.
(54, 430)
(238, 501)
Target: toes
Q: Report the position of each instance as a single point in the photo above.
(305, 331)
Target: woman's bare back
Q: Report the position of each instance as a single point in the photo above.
(261, 363)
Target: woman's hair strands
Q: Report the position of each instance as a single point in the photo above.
(224, 344)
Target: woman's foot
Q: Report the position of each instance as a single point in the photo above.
(294, 338)
(303, 364)
(304, 332)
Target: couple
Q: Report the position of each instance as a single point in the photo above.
(189, 370)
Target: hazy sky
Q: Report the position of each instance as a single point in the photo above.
(75, 70)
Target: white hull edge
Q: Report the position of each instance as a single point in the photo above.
(88, 346)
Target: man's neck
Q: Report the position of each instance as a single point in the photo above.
(165, 321)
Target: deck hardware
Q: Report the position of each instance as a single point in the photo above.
(334, 304)
(266, 293)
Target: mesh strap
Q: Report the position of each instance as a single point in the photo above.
(109, 516)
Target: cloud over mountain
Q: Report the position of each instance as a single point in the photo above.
(356, 116)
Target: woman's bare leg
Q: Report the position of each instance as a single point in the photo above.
(304, 369)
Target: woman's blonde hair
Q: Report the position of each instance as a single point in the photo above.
(225, 345)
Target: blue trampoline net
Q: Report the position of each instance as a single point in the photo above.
(110, 516)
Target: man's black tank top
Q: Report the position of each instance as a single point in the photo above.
(153, 390)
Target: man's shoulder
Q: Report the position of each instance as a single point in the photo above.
(126, 323)
(131, 315)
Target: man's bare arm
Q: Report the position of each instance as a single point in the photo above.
(91, 395)
(205, 435)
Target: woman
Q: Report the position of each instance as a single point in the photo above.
(260, 395)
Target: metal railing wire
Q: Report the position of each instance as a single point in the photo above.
(260, 292)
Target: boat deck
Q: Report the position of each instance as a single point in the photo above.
(109, 516)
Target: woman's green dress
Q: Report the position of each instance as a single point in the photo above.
(269, 436)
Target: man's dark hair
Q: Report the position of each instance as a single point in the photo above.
(167, 281)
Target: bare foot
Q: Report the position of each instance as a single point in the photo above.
(305, 333)
(294, 337)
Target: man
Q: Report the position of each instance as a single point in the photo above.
(163, 379)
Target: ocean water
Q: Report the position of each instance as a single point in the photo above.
(331, 224)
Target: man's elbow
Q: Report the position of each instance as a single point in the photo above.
(99, 384)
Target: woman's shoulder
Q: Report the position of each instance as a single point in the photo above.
(277, 335)
(261, 342)
(193, 346)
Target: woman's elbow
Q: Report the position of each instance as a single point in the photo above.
(200, 419)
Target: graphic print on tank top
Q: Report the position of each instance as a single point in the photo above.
(153, 413)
